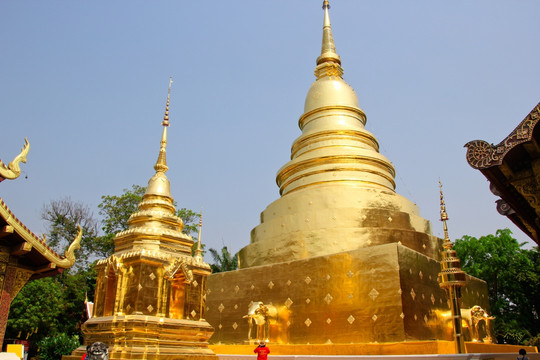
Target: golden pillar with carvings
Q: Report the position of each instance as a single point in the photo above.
(150, 294)
(341, 256)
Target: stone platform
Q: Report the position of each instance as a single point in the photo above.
(424, 350)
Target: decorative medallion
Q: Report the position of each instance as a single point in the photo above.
(235, 306)
(402, 315)
(350, 274)
(252, 287)
(139, 287)
(425, 319)
(369, 242)
(421, 275)
(149, 308)
(234, 326)
(208, 291)
(390, 219)
(152, 276)
(236, 289)
(413, 294)
(400, 291)
(328, 277)
(288, 323)
(307, 280)
(222, 290)
(351, 319)
(221, 307)
(328, 321)
(374, 317)
(288, 283)
(432, 299)
(350, 296)
(307, 322)
(195, 283)
(415, 317)
(308, 301)
(270, 285)
(220, 326)
(193, 313)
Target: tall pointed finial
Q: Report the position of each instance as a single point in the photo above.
(198, 251)
(452, 279)
(444, 218)
(161, 164)
(328, 50)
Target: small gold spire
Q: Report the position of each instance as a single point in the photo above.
(161, 164)
(198, 252)
(328, 49)
(444, 219)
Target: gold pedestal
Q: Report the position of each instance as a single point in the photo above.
(381, 294)
(150, 337)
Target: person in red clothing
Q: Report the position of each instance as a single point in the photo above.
(262, 351)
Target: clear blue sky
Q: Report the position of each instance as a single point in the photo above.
(86, 82)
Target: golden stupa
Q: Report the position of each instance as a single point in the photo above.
(340, 263)
(150, 294)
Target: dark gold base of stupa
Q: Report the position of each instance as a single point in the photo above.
(379, 294)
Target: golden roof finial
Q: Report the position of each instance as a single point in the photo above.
(198, 251)
(328, 50)
(444, 219)
(161, 164)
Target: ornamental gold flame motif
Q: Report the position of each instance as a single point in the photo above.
(341, 255)
(150, 294)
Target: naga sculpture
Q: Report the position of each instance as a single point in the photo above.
(12, 171)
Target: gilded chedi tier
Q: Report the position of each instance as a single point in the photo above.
(338, 191)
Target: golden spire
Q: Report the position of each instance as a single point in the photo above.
(452, 279)
(161, 164)
(444, 218)
(198, 252)
(328, 50)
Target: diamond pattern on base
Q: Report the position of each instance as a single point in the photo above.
(351, 319)
(221, 307)
(373, 294)
(288, 303)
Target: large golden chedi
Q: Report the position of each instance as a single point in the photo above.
(150, 294)
(340, 257)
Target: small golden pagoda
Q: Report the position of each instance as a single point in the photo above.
(340, 263)
(150, 294)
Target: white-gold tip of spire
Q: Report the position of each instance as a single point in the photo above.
(161, 164)
(328, 49)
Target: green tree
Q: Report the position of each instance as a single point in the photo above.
(62, 217)
(513, 279)
(224, 261)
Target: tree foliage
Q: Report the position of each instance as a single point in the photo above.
(224, 261)
(513, 279)
(62, 217)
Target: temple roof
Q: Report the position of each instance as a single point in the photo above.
(513, 170)
(31, 252)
